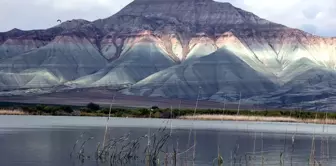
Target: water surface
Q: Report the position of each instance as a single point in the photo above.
(48, 141)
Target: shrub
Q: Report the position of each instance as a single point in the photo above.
(40, 107)
(273, 113)
(156, 115)
(155, 108)
(93, 106)
(144, 112)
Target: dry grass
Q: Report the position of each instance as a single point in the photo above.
(257, 118)
(92, 114)
(12, 112)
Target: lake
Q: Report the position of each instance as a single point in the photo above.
(49, 141)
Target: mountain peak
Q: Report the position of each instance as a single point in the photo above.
(15, 30)
(191, 16)
(72, 24)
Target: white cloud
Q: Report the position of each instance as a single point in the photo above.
(40, 14)
(267, 4)
(320, 15)
(84, 4)
(317, 16)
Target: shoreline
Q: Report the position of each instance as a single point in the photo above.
(282, 119)
(200, 117)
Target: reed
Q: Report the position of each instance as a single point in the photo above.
(312, 158)
(108, 118)
(119, 151)
(219, 160)
(124, 150)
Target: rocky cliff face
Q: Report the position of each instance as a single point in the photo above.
(178, 24)
(171, 48)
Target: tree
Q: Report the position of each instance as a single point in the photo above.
(93, 106)
(155, 108)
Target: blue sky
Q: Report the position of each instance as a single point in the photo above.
(314, 16)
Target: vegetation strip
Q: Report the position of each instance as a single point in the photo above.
(93, 109)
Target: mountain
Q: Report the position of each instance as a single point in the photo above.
(219, 72)
(175, 49)
(144, 59)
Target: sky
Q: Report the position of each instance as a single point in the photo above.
(314, 16)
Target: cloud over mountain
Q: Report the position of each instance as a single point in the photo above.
(292, 13)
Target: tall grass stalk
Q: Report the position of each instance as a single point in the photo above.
(77, 141)
(175, 157)
(236, 144)
(171, 120)
(179, 107)
(281, 159)
(254, 145)
(262, 149)
(285, 141)
(327, 131)
(176, 152)
(219, 157)
(224, 105)
(239, 103)
(195, 143)
(312, 151)
(107, 120)
(327, 146)
(149, 131)
(195, 109)
(300, 110)
(324, 143)
(231, 160)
